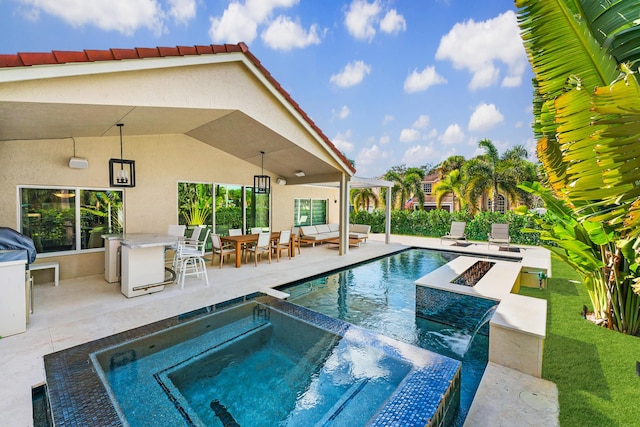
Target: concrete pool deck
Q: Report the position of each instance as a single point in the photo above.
(83, 309)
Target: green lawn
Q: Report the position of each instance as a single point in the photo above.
(594, 368)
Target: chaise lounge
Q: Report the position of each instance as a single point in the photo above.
(456, 232)
(499, 235)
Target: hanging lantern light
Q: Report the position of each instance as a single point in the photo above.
(122, 173)
(261, 183)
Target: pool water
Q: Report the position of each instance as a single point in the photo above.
(381, 296)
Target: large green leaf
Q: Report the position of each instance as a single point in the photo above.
(614, 24)
(559, 45)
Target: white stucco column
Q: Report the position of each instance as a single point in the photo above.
(387, 225)
(344, 214)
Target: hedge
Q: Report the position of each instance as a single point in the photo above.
(437, 222)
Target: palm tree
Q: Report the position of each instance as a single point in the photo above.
(490, 174)
(451, 163)
(407, 184)
(586, 111)
(362, 198)
(451, 183)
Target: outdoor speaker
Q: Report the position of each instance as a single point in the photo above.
(78, 163)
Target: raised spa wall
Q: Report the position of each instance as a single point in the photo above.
(518, 327)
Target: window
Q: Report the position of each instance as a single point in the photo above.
(228, 208)
(257, 209)
(309, 212)
(69, 219)
(222, 206)
(426, 187)
(501, 206)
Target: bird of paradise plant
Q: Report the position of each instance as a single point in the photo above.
(584, 55)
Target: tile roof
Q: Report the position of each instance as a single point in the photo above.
(26, 59)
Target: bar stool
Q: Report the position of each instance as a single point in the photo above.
(190, 260)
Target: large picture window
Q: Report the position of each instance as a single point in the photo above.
(222, 206)
(309, 212)
(69, 219)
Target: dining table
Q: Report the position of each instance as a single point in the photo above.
(243, 239)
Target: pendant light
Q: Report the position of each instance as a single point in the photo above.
(122, 172)
(261, 183)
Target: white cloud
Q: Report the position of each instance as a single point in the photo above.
(422, 122)
(285, 34)
(240, 21)
(361, 18)
(352, 74)
(341, 141)
(452, 135)
(409, 135)
(419, 81)
(419, 155)
(235, 25)
(480, 46)
(123, 16)
(485, 117)
(393, 22)
(262, 9)
(387, 119)
(485, 77)
(342, 114)
(385, 139)
(368, 156)
(182, 11)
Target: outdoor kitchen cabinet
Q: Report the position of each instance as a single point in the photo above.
(13, 292)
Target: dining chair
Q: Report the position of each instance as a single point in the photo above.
(190, 259)
(295, 235)
(263, 245)
(256, 230)
(220, 249)
(282, 244)
(235, 232)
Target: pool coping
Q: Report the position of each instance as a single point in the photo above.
(78, 396)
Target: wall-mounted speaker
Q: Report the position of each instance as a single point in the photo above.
(78, 163)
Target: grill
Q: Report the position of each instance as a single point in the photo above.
(11, 240)
(17, 251)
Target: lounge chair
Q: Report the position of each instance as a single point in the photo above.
(456, 232)
(499, 235)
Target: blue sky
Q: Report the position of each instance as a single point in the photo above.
(390, 82)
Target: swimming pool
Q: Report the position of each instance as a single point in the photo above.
(381, 295)
(86, 382)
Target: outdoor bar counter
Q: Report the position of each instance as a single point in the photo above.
(141, 260)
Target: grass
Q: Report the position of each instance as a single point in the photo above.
(593, 367)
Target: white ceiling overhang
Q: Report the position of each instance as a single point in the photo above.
(229, 130)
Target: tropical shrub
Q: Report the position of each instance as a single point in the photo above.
(437, 222)
(587, 110)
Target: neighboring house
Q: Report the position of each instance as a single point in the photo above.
(195, 114)
(447, 202)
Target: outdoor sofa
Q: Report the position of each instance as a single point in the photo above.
(322, 232)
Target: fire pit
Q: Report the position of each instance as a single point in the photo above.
(473, 274)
